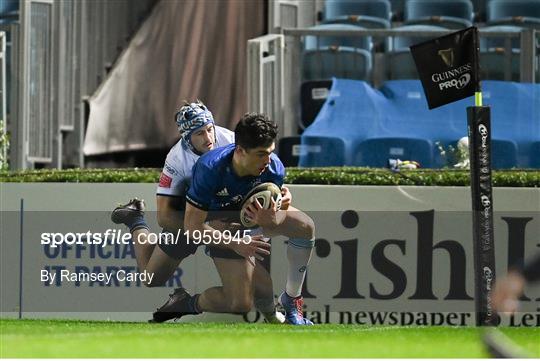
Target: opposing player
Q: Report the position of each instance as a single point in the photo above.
(199, 134)
(505, 299)
(221, 179)
(509, 288)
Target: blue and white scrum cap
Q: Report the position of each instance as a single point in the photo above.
(191, 117)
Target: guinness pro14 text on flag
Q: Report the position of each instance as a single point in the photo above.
(448, 66)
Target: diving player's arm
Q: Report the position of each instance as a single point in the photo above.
(271, 218)
(195, 225)
(286, 198)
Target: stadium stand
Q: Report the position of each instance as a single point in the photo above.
(366, 13)
(404, 129)
(9, 11)
(394, 122)
(400, 64)
(370, 14)
(328, 56)
(376, 152)
(524, 13)
(323, 63)
(452, 14)
(324, 151)
(318, 42)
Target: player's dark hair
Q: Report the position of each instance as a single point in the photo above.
(255, 130)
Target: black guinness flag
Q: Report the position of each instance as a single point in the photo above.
(448, 66)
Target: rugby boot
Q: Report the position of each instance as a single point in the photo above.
(131, 214)
(275, 317)
(294, 314)
(180, 303)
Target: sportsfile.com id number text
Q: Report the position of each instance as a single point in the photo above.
(114, 236)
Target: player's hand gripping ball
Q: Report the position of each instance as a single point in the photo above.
(263, 193)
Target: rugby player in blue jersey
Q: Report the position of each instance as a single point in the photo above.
(199, 134)
(221, 179)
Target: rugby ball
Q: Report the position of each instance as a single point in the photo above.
(263, 193)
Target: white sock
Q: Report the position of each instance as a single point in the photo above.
(298, 261)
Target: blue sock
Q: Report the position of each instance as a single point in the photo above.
(137, 223)
(193, 304)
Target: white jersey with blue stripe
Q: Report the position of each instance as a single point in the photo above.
(175, 177)
(215, 186)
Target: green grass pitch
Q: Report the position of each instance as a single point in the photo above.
(79, 339)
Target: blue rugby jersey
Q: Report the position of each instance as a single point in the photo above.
(215, 186)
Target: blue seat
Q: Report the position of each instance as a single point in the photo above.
(400, 64)
(323, 151)
(341, 56)
(8, 6)
(375, 152)
(452, 14)
(316, 42)
(341, 62)
(503, 154)
(289, 151)
(525, 13)
(313, 94)
(9, 11)
(367, 13)
(534, 156)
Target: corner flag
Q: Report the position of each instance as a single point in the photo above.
(449, 71)
(448, 66)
